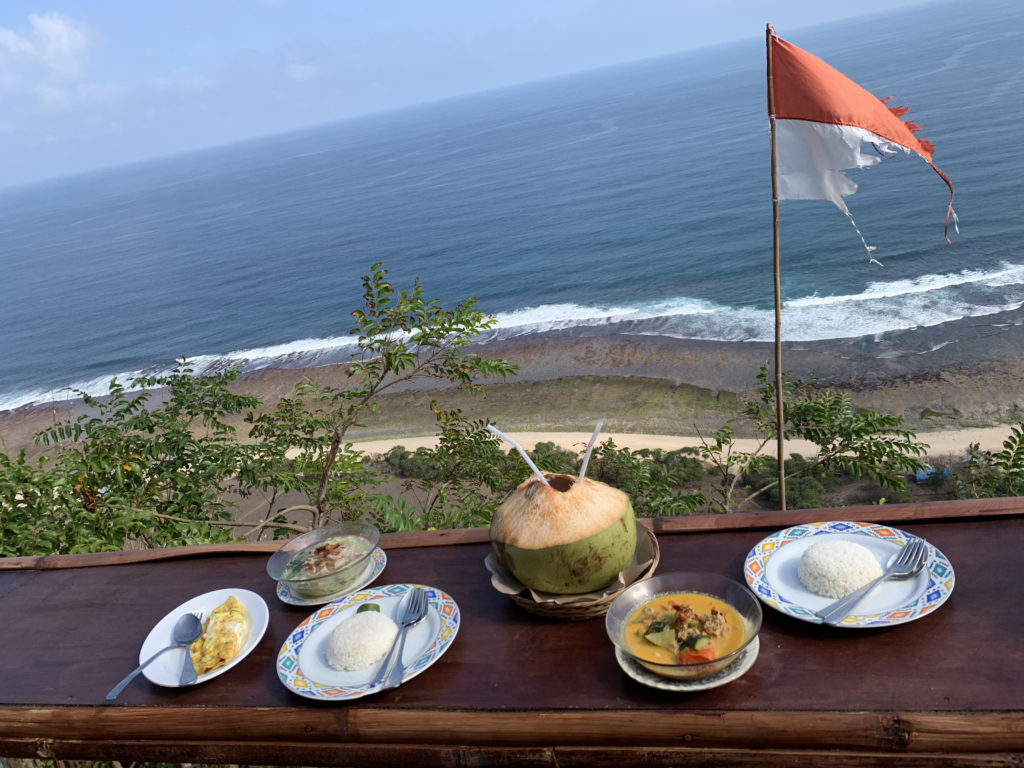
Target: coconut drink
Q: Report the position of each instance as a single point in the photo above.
(562, 534)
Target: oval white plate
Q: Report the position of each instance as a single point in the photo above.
(166, 670)
(373, 569)
(302, 663)
(642, 674)
(771, 572)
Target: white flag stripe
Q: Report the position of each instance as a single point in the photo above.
(811, 158)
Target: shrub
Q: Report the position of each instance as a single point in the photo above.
(856, 442)
(552, 458)
(124, 474)
(994, 473)
(653, 493)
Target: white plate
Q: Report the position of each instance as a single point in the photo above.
(735, 670)
(302, 663)
(166, 670)
(771, 572)
(373, 569)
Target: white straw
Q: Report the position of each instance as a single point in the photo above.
(590, 449)
(522, 453)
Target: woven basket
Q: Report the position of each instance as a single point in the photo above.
(593, 608)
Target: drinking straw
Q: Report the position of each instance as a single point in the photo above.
(522, 453)
(590, 449)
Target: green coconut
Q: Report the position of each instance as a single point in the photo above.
(568, 538)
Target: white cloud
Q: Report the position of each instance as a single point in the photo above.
(54, 97)
(302, 70)
(185, 81)
(61, 42)
(100, 93)
(14, 45)
(54, 40)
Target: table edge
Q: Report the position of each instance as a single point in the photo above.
(894, 514)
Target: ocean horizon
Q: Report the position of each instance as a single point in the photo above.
(633, 199)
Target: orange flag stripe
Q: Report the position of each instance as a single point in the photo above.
(806, 88)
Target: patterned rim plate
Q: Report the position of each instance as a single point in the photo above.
(373, 570)
(302, 665)
(735, 670)
(771, 572)
(166, 670)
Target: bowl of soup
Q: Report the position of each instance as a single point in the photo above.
(684, 625)
(324, 561)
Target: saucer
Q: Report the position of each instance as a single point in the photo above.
(734, 671)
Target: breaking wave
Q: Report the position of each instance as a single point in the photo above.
(880, 308)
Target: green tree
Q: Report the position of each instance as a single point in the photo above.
(402, 337)
(126, 474)
(153, 461)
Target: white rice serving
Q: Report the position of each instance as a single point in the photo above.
(834, 567)
(360, 640)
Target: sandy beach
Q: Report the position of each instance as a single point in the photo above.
(944, 443)
(953, 385)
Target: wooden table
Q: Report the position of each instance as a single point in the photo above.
(517, 689)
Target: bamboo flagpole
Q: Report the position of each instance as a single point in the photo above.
(776, 268)
(819, 119)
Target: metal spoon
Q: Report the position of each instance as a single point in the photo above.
(188, 667)
(910, 561)
(411, 611)
(187, 629)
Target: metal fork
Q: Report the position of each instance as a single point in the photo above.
(910, 561)
(411, 611)
(188, 669)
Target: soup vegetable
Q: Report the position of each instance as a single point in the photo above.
(684, 628)
(326, 557)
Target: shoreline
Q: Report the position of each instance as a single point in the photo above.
(944, 380)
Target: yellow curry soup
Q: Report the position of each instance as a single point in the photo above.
(683, 627)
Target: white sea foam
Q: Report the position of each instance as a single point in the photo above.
(290, 349)
(557, 317)
(96, 387)
(1006, 275)
(300, 353)
(880, 308)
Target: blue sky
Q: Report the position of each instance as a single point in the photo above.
(91, 83)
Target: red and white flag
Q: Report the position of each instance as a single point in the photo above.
(822, 120)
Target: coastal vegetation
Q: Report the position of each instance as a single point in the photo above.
(158, 461)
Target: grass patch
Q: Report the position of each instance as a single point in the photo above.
(568, 404)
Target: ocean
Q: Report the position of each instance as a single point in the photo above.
(635, 199)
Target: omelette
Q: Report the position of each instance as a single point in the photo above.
(224, 633)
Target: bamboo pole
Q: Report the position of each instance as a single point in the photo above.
(776, 262)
